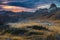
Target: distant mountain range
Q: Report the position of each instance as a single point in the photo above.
(52, 13)
(9, 16)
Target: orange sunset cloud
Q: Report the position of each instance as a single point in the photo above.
(17, 10)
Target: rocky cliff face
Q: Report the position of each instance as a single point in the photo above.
(52, 13)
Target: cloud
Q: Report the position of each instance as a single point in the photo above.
(43, 6)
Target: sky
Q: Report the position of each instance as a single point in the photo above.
(31, 4)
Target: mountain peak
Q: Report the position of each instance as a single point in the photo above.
(53, 6)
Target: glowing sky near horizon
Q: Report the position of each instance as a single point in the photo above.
(16, 9)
